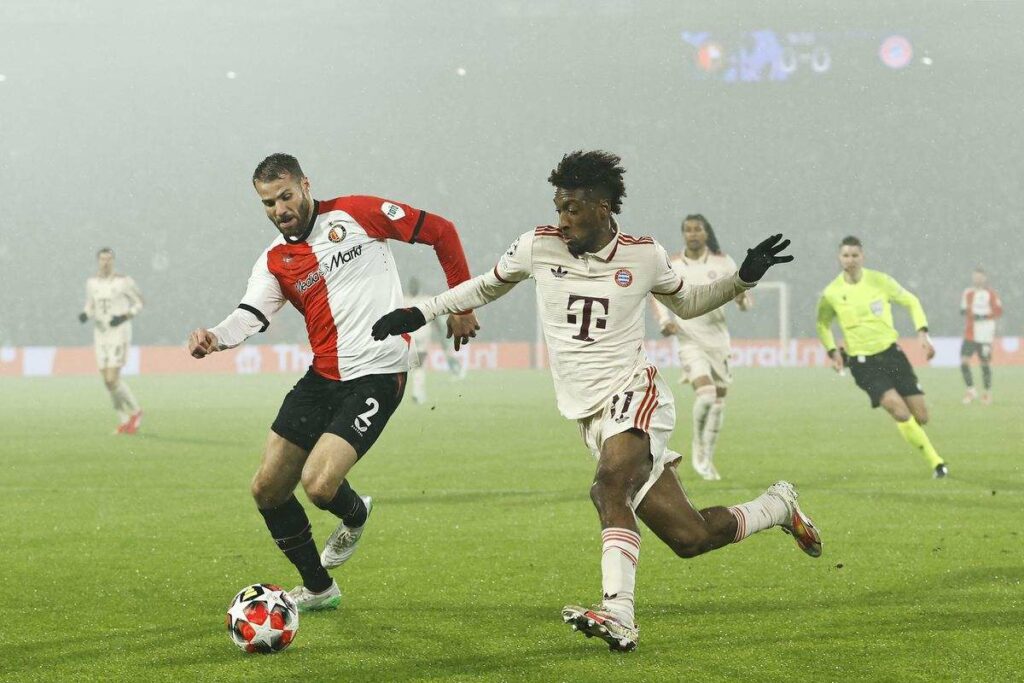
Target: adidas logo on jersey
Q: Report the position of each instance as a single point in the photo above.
(559, 272)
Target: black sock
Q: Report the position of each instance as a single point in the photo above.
(965, 369)
(986, 376)
(348, 505)
(290, 528)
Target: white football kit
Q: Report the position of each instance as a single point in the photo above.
(592, 313)
(106, 297)
(703, 342)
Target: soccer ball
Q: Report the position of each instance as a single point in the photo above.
(262, 618)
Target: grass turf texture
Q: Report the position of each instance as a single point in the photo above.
(120, 554)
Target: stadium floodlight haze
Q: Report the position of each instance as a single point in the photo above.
(166, 365)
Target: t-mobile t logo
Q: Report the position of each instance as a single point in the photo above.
(588, 315)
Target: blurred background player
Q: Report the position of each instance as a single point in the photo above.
(859, 298)
(332, 261)
(455, 361)
(703, 342)
(981, 307)
(111, 301)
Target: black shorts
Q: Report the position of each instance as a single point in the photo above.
(883, 371)
(969, 348)
(356, 410)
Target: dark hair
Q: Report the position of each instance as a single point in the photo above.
(104, 250)
(980, 270)
(597, 171)
(277, 166)
(851, 241)
(713, 245)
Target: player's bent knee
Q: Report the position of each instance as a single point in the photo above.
(320, 488)
(266, 493)
(608, 491)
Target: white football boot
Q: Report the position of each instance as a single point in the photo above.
(620, 635)
(342, 542)
(308, 601)
(799, 526)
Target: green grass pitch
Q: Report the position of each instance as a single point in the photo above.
(120, 554)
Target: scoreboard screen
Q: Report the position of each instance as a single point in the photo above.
(774, 56)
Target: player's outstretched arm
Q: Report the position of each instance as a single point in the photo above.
(471, 294)
(202, 342)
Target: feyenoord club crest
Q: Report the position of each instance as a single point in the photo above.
(337, 232)
(623, 278)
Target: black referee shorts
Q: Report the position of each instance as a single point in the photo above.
(356, 410)
(883, 371)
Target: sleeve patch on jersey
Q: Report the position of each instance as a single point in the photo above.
(512, 249)
(393, 211)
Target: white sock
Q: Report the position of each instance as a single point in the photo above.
(115, 398)
(703, 399)
(712, 425)
(762, 513)
(419, 384)
(620, 552)
(128, 401)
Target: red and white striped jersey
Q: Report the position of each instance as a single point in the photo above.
(341, 275)
(980, 306)
(591, 307)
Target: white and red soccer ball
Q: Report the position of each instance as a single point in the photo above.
(262, 619)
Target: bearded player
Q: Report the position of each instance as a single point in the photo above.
(703, 342)
(333, 263)
(592, 282)
(111, 301)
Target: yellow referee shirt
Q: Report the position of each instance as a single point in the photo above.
(864, 312)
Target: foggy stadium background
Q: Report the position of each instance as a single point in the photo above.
(137, 125)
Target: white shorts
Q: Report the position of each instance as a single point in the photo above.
(111, 349)
(646, 404)
(698, 361)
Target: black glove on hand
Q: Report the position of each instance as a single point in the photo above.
(398, 321)
(82, 317)
(762, 257)
(117, 320)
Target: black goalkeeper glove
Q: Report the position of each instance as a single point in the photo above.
(762, 257)
(82, 317)
(398, 321)
(118, 320)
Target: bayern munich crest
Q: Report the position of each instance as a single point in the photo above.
(623, 278)
(337, 232)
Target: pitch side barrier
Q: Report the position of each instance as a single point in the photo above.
(46, 361)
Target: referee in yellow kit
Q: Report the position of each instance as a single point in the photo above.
(860, 298)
